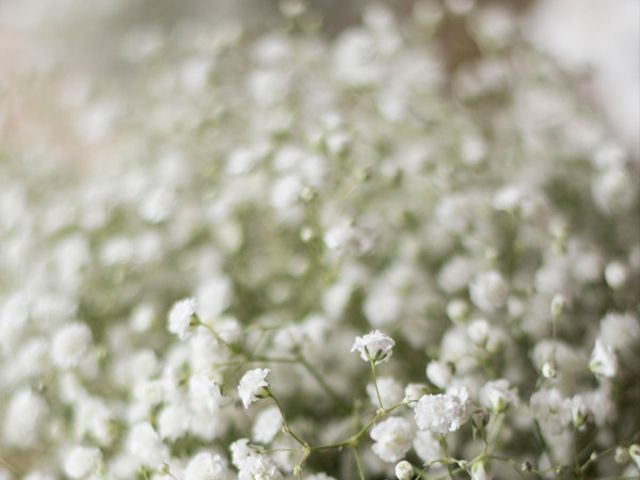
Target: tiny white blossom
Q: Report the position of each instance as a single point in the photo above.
(375, 347)
(439, 373)
(258, 467)
(443, 413)
(205, 466)
(181, 316)
(551, 409)
(82, 461)
(392, 438)
(404, 470)
(497, 395)
(204, 392)
(603, 360)
(489, 291)
(253, 386)
(69, 344)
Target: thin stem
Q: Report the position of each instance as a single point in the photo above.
(375, 383)
(358, 463)
(318, 377)
(285, 425)
(443, 443)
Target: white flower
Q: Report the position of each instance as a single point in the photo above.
(258, 467)
(603, 360)
(69, 344)
(204, 392)
(414, 391)
(173, 421)
(205, 466)
(392, 438)
(478, 331)
(181, 316)
(439, 373)
(615, 273)
(240, 450)
(551, 409)
(145, 445)
(404, 471)
(253, 386)
(267, 425)
(443, 413)
(427, 446)
(82, 461)
(375, 347)
(497, 395)
(489, 291)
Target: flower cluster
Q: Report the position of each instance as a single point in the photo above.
(258, 205)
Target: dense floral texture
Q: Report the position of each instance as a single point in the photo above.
(259, 204)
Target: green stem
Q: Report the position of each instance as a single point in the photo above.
(375, 383)
(285, 425)
(443, 443)
(358, 463)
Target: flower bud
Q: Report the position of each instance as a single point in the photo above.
(404, 470)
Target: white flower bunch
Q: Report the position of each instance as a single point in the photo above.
(260, 206)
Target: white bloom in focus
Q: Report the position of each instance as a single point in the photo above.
(253, 386)
(404, 470)
(69, 344)
(392, 438)
(603, 360)
(439, 373)
(267, 425)
(489, 291)
(181, 316)
(205, 466)
(82, 461)
(497, 395)
(375, 347)
(204, 392)
(443, 413)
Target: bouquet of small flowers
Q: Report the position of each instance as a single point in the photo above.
(296, 256)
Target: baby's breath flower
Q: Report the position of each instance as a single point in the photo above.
(443, 413)
(404, 470)
(374, 347)
(182, 316)
(205, 466)
(253, 386)
(603, 360)
(392, 438)
(82, 461)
